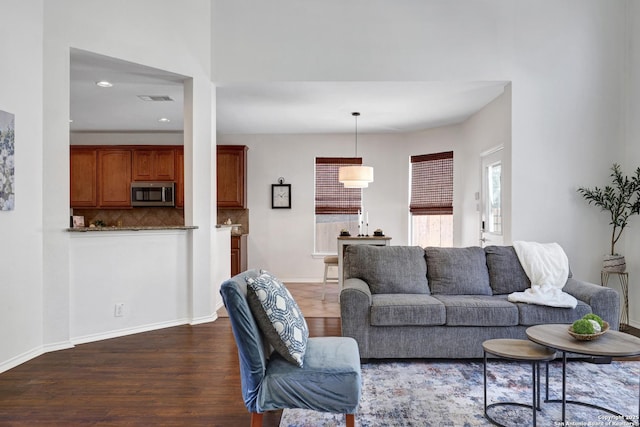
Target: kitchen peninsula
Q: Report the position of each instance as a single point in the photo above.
(132, 228)
(131, 265)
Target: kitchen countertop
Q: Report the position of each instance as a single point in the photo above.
(104, 229)
(232, 226)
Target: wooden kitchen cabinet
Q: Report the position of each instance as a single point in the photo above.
(231, 185)
(179, 177)
(154, 165)
(238, 254)
(114, 178)
(101, 175)
(83, 185)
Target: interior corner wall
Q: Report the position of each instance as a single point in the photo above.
(166, 34)
(487, 129)
(566, 93)
(21, 251)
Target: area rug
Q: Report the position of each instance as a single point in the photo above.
(434, 393)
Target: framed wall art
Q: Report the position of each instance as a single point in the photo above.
(7, 162)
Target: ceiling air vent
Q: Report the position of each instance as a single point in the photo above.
(158, 98)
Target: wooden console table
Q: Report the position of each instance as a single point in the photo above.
(348, 240)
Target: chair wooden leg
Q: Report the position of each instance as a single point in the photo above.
(351, 420)
(256, 419)
(324, 282)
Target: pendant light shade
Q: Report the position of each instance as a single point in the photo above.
(355, 176)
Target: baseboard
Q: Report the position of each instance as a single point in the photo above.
(21, 358)
(204, 319)
(127, 331)
(48, 348)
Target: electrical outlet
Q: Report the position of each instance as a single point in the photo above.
(119, 310)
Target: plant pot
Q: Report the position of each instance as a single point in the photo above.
(614, 263)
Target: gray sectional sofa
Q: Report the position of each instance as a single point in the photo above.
(410, 302)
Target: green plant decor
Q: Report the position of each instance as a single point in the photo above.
(621, 199)
(595, 317)
(583, 327)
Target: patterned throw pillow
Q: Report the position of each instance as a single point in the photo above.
(278, 317)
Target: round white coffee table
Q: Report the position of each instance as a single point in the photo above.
(523, 351)
(611, 344)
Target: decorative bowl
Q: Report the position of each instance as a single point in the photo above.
(589, 337)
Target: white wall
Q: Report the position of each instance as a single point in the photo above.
(167, 34)
(631, 161)
(126, 138)
(567, 90)
(21, 250)
(565, 60)
(147, 271)
(484, 131)
(281, 240)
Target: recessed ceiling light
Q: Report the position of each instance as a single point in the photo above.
(164, 120)
(104, 83)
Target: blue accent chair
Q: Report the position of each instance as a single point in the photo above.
(329, 381)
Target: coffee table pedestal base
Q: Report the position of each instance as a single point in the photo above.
(522, 351)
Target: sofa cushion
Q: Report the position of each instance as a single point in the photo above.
(506, 274)
(406, 309)
(278, 317)
(533, 314)
(479, 310)
(388, 269)
(457, 271)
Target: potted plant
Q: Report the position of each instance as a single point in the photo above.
(621, 199)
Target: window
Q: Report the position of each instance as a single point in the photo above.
(431, 205)
(336, 206)
(493, 205)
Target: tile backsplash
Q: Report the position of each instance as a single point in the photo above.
(136, 217)
(237, 216)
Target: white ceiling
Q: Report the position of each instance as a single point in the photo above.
(326, 107)
(265, 108)
(118, 108)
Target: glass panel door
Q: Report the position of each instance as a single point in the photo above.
(491, 199)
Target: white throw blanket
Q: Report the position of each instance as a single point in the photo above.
(547, 267)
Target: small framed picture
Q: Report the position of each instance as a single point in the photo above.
(78, 221)
(280, 196)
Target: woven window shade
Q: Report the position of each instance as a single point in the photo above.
(432, 184)
(331, 196)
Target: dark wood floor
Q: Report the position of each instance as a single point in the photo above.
(181, 376)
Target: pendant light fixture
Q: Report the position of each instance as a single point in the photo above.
(355, 176)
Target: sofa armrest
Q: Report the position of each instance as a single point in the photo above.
(355, 305)
(605, 302)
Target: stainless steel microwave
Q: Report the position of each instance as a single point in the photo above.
(153, 193)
